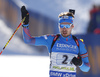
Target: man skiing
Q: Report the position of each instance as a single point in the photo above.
(66, 51)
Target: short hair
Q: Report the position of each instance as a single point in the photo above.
(65, 14)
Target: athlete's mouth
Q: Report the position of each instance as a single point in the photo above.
(64, 32)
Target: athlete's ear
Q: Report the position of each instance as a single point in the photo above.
(72, 26)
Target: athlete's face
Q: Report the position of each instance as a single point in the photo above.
(65, 32)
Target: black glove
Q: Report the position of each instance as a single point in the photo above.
(77, 61)
(24, 14)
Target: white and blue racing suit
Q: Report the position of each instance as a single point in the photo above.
(63, 52)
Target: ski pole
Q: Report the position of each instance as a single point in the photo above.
(14, 33)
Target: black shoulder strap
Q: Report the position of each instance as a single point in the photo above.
(76, 40)
(54, 40)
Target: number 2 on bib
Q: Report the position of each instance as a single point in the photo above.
(64, 61)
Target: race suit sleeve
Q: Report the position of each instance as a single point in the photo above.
(84, 54)
(45, 40)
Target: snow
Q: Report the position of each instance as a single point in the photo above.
(24, 66)
(20, 66)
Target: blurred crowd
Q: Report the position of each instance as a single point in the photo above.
(94, 24)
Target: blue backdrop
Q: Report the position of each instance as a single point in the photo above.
(92, 43)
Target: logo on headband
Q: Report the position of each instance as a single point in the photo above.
(66, 19)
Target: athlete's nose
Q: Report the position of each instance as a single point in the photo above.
(64, 29)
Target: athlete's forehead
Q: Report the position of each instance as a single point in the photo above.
(65, 23)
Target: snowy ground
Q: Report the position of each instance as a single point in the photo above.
(24, 66)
